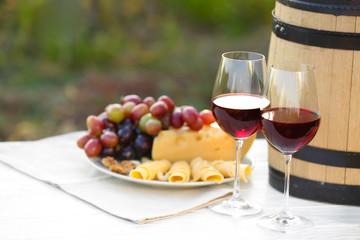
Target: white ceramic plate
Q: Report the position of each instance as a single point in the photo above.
(97, 164)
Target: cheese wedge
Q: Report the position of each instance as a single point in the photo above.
(227, 168)
(210, 143)
(149, 170)
(202, 170)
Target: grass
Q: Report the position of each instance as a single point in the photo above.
(58, 67)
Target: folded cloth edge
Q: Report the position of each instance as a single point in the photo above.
(208, 203)
(141, 221)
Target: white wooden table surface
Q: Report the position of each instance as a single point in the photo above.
(30, 209)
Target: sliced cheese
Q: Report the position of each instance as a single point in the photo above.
(179, 172)
(202, 170)
(150, 170)
(210, 143)
(227, 168)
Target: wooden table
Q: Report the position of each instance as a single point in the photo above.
(30, 209)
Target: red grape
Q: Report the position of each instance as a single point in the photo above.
(93, 147)
(108, 152)
(149, 101)
(83, 140)
(128, 107)
(159, 109)
(102, 115)
(126, 123)
(197, 125)
(109, 139)
(153, 126)
(108, 124)
(127, 153)
(176, 120)
(125, 134)
(138, 111)
(115, 112)
(131, 98)
(142, 144)
(207, 116)
(183, 106)
(190, 114)
(169, 102)
(165, 121)
(94, 125)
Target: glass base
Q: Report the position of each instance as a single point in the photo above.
(236, 208)
(284, 222)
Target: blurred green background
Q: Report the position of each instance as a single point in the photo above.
(62, 60)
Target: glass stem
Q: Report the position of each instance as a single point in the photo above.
(236, 192)
(288, 158)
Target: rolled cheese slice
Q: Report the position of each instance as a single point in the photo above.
(149, 170)
(179, 172)
(202, 170)
(210, 143)
(227, 169)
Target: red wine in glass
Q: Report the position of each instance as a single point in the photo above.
(288, 124)
(239, 114)
(289, 129)
(237, 100)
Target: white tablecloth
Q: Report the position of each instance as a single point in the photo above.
(30, 209)
(60, 163)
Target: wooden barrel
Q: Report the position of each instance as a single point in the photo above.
(326, 34)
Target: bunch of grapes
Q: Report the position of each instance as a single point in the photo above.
(126, 131)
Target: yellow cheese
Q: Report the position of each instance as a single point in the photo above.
(149, 170)
(210, 143)
(227, 169)
(202, 170)
(179, 172)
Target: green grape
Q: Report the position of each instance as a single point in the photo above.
(115, 112)
(144, 119)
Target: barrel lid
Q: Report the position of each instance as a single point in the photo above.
(335, 7)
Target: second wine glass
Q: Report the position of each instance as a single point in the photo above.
(289, 124)
(237, 102)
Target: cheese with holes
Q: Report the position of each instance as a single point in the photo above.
(210, 143)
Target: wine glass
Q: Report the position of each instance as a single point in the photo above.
(289, 123)
(236, 104)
